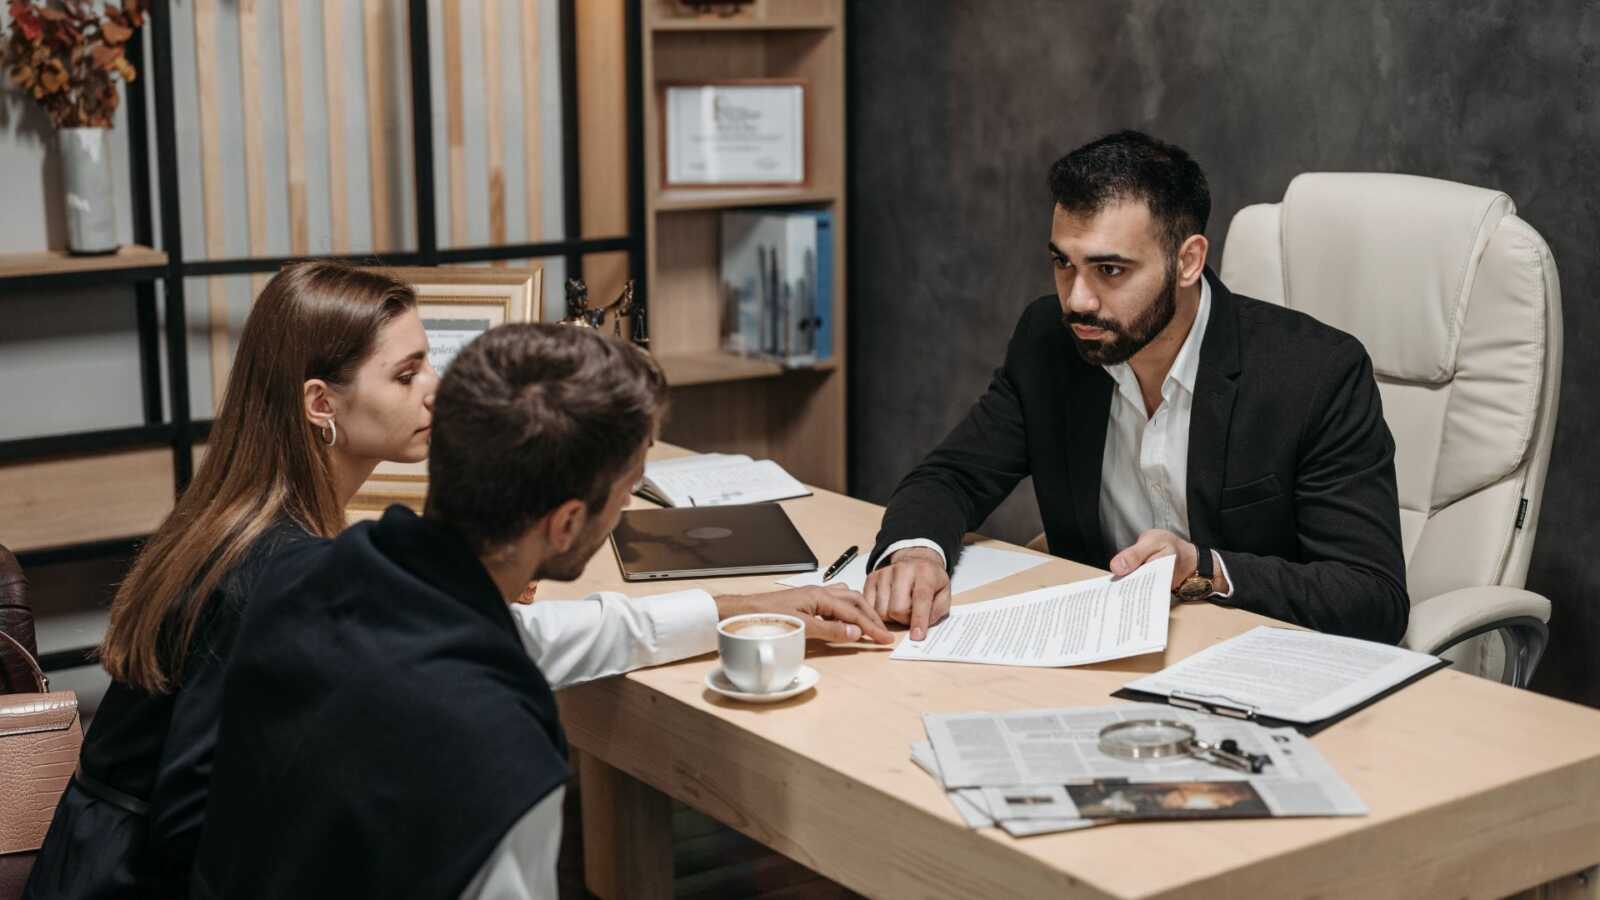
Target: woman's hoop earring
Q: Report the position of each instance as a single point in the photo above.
(330, 438)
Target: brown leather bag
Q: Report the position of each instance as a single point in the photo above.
(40, 736)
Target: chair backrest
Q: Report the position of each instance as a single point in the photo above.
(16, 621)
(1458, 303)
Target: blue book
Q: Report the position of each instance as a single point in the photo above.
(824, 308)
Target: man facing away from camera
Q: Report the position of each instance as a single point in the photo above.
(389, 727)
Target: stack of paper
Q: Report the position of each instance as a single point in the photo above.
(1040, 771)
(717, 479)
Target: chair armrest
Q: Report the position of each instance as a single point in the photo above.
(1440, 622)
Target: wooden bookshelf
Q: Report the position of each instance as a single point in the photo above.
(722, 402)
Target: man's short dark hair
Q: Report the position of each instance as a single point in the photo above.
(1131, 165)
(528, 417)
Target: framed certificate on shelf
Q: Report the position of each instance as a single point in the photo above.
(456, 304)
(743, 133)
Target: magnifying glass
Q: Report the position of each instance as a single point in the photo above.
(1152, 739)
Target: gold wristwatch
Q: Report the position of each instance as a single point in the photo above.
(1197, 586)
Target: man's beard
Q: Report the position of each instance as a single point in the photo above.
(569, 566)
(1126, 341)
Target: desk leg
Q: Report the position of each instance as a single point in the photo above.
(627, 834)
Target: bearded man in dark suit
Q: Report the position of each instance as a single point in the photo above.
(1159, 413)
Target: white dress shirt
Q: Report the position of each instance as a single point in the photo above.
(1144, 472)
(574, 641)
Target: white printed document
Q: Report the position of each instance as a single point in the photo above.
(1068, 625)
(718, 479)
(1282, 673)
(977, 567)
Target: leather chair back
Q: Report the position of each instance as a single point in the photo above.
(1458, 302)
(16, 620)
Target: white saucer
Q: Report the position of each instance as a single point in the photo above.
(805, 681)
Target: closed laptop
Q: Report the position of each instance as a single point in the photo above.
(709, 542)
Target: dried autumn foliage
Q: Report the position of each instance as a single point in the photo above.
(67, 56)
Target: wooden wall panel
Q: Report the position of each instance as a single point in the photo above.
(494, 129)
(456, 129)
(254, 137)
(215, 204)
(294, 138)
(379, 63)
(333, 87)
(602, 144)
(532, 132)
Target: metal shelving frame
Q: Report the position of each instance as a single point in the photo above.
(176, 428)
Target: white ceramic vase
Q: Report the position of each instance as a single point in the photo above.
(86, 182)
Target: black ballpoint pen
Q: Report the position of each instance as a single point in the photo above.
(841, 562)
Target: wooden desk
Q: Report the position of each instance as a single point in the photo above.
(1476, 789)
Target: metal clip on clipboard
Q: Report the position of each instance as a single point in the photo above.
(1213, 703)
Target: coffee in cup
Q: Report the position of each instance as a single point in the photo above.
(761, 652)
(762, 627)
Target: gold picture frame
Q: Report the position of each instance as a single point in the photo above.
(456, 304)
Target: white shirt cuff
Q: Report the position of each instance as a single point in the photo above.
(608, 633)
(686, 623)
(897, 546)
(1217, 565)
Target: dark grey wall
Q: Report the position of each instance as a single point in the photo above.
(958, 108)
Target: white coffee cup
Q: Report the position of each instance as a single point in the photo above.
(761, 652)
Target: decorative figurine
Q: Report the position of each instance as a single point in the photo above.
(626, 306)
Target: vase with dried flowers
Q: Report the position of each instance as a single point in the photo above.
(67, 56)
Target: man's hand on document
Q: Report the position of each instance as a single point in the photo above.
(913, 589)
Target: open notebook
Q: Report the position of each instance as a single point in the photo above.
(718, 479)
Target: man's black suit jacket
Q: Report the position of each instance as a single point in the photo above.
(1291, 466)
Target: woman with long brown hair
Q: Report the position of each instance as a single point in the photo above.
(331, 377)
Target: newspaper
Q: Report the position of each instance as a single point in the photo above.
(1068, 625)
(1059, 749)
(973, 808)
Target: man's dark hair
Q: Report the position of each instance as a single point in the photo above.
(531, 416)
(1131, 165)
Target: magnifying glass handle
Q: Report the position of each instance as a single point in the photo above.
(1228, 754)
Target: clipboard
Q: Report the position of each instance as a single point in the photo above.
(1223, 707)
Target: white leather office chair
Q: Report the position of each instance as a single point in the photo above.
(1458, 303)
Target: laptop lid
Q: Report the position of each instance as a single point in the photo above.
(709, 542)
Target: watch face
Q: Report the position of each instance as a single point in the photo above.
(1195, 587)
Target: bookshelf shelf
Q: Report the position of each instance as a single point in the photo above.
(738, 24)
(51, 263)
(689, 199)
(714, 366)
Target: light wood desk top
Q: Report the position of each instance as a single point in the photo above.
(1476, 789)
